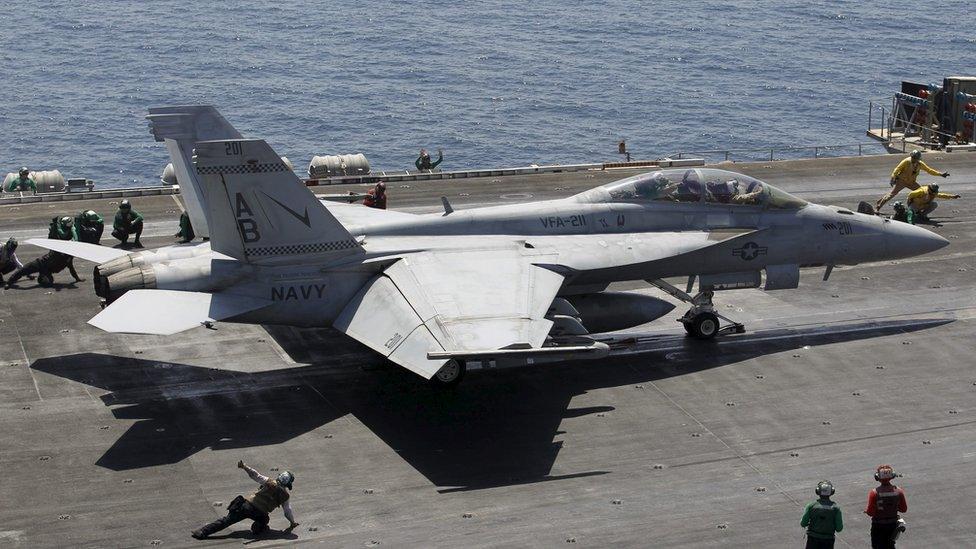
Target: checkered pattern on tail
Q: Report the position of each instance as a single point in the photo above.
(295, 249)
(270, 167)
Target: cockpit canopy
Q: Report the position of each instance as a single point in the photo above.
(695, 185)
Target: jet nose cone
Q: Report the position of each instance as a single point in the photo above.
(905, 240)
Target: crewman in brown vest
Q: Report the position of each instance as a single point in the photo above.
(271, 495)
(884, 504)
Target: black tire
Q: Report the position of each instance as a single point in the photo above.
(704, 326)
(688, 328)
(449, 375)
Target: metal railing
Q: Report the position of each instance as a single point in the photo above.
(786, 152)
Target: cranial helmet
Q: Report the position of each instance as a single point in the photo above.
(67, 221)
(124, 205)
(90, 215)
(916, 155)
(11, 244)
(884, 472)
(286, 478)
(381, 186)
(933, 189)
(24, 171)
(824, 489)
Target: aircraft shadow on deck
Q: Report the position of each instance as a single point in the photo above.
(496, 429)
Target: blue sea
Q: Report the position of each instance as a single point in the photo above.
(491, 83)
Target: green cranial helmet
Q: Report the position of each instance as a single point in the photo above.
(124, 205)
(90, 215)
(24, 172)
(67, 221)
(11, 244)
(916, 156)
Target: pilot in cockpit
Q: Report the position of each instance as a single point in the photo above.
(655, 187)
(752, 195)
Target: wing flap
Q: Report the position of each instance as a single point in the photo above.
(430, 306)
(81, 250)
(380, 317)
(169, 311)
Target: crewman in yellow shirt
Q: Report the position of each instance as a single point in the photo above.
(905, 176)
(921, 202)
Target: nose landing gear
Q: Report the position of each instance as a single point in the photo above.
(702, 320)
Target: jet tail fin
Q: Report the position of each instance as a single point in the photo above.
(180, 127)
(260, 211)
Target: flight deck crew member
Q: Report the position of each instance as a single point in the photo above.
(185, 233)
(884, 504)
(376, 197)
(23, 182)
(423, 161)
(271, 495)
(822, 518)
(89, 227)
(127, 221)
(8, 258)
(921, 201)
(905, 176)
(46, 267)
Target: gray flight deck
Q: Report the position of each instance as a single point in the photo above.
(109, 440)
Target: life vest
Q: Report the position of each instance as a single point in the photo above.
(887, 498)
(823, 517)
(269, 496)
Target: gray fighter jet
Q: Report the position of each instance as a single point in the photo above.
(436, 292)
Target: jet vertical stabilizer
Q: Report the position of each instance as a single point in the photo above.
(260, 212)
(180, 128)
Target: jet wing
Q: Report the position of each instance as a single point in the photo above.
(166, 312)
(454, 302)
(83, 250)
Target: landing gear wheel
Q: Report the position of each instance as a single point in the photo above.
(449, 375)
(703, 326)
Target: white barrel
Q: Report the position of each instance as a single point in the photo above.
(169, 175)
(48, 181)
(339, 164)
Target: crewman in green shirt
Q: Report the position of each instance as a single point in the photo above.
(822, 518)
(23, 182)
(424, 162)
(127, 221)
(89, 227)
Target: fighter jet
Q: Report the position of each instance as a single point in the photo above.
(435, 293)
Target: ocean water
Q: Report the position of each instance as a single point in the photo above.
(492, 83)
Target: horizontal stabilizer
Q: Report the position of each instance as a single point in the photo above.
(81, 250)
(166, 312)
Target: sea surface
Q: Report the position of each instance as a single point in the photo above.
(494, 84)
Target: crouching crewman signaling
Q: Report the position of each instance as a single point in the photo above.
(271, 495)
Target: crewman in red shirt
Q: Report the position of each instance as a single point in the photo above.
(376, 197)
(884, 504)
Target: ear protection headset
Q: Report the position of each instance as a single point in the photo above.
(884, 472)
(824, 489)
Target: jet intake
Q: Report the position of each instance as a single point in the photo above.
(611, 311)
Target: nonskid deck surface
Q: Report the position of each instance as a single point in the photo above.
(112, 440)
